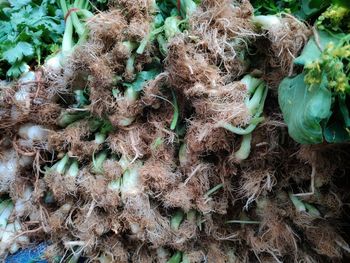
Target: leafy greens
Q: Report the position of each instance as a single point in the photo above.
(315, 103)
(29, 31)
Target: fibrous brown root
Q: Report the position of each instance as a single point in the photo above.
(218, 24)
(254, 183)
(187, 67)
(285, 43)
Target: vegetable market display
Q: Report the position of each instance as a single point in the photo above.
(174, 131)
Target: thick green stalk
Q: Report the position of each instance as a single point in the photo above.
(67, 41)
(176, 258)
(131, 95)
(299, 205)
(251, 83)
(98, 162)
(64, 7)
(254, 103)
(73, 169)
(312, 210)
(5, 216)
(79, 27)
(80, 98)
(67, 118)
(241, 131)
(3, 205)
(124, 163)
(131, 181)
(244, 150)
(115, 185)
(148, 38)
(61, 165)
(176, 219)
(100, 137)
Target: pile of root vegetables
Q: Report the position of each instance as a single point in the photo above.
(155, 135)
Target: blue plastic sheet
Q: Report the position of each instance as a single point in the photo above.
(29, 255)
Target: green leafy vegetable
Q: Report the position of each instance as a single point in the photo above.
(315, 104)
(255, 102)
(28, 33)
(304, 108)
(262, 7)
(303, 9)
(176, 258)
(170, 15)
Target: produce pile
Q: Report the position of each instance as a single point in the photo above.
(175, 130)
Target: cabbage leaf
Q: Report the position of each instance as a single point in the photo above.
(305, 108)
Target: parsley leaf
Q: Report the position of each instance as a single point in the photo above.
(29, 30)
(16, 53)
(18, 3)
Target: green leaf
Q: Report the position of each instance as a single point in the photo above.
(312, 51)
(28, 29)
(16, 53)
(176, 258)
(19, 3)
(17, 69)
(142, 78)
(337, 128)
(335, 132)
(310, 7)
(304, 108)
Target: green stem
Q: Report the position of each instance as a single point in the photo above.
(176, 258)
(124, 163)
(61, 165)
(73, 169)
(238, 130)
(131, 181)
(176, 219)
(130, 65)
(5, 216)
(162, 44)
(312, 210)
(254, 103)
(67, 41)
(244, 150)
(251, 83)
(176, 112)
(213, 190)
(98, 162)
(67, 118)
(131, 95)
(253, 123)
(148, 38)
(79, 27)
(64, 7)
(115, 185)
(299, 205)
(100, 137)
